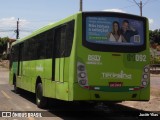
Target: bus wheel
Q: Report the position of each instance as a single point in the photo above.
(40, 100)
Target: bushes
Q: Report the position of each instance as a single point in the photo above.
(157, 60)
(3, 47)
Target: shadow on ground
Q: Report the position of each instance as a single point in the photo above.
(72, 111)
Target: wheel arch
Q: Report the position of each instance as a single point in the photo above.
(38, 80)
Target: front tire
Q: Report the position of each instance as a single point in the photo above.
(40, 100)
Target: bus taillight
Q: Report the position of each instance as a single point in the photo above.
(82, 75)
(145, 76)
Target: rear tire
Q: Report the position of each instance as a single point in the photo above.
(40, 100)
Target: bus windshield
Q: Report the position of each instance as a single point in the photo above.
(115, 29)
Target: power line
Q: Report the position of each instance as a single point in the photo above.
(7, 31)
(12, 35)
(146, 2)
(26, 31)
(141, 5)
(136, 2)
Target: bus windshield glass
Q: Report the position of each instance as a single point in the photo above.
(114, 31)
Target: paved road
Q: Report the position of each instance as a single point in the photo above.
(155, 81)
(4, 75)
(10, 101)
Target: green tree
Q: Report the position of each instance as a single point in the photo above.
(155, 36)
(3, 44)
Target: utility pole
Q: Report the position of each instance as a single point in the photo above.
(17, 31)
(140, 6)
(81, 5)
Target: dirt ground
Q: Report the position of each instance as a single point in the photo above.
(152, 105)
(4, 63)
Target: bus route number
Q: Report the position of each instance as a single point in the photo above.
(136, 57)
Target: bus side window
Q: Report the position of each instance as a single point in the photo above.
(40, 46)
(69, 38)
(49, 43)
(11, 58)
(64, 39)
(60, 34)
(15, 53)
(25, 51)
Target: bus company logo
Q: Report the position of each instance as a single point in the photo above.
(39, 68)
(113, 75)
(94, 59)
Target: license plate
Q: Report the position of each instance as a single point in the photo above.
(115, 84)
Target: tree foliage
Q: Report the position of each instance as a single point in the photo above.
(3, 44)
(155, 36)
(155, 46)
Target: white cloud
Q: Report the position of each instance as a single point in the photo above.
(151, 21)
(115, 10)
(8, 26)
(11, 22)
(152, 25)
(5, 22)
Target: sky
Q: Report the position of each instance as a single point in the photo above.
(34, 14)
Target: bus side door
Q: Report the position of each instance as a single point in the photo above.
(59, 53)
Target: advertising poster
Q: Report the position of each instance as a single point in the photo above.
(114, 31)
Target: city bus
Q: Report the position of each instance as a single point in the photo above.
(87, 57)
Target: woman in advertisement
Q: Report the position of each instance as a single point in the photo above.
(115, 35)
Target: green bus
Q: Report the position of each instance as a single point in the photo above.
(87, 57)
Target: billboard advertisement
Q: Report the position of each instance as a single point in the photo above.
(114, 31)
